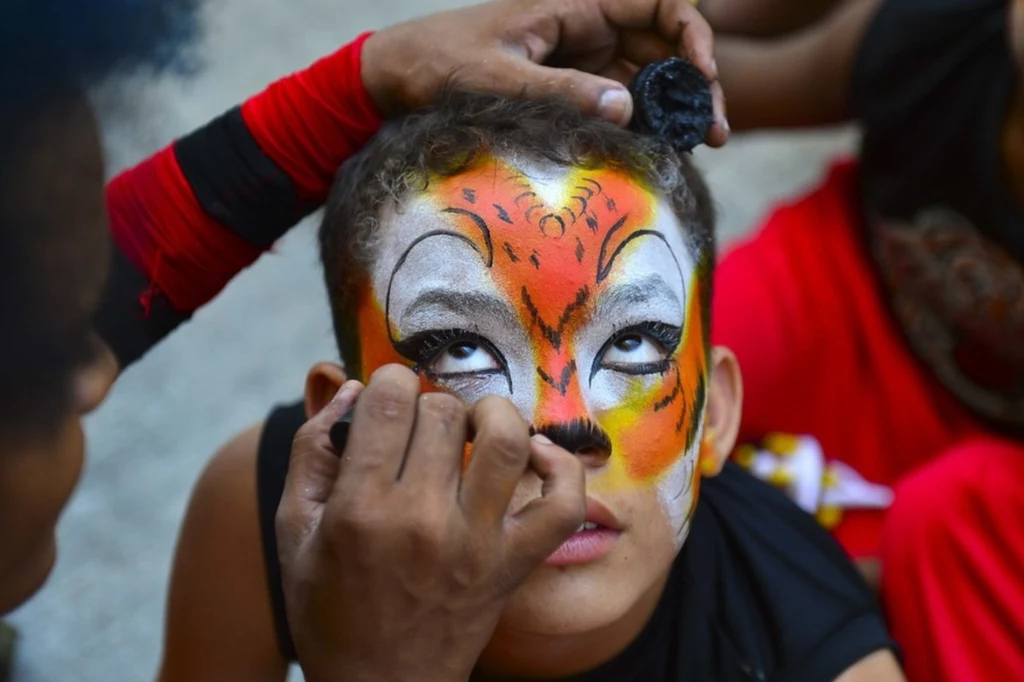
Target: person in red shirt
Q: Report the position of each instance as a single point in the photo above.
(75, 311)
(883, 313)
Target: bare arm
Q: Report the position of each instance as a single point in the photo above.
(762, 18)
(219, 622)
(880, 666)
(798, 80)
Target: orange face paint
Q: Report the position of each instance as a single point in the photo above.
(555, 252)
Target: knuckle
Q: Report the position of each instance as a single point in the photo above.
(443, 408)
(391, 394)
(492, 403)
(508, 444)
(568, 511)
(497, 417)
(338, 522)
(565, 463)
(393, 373)
(426, 534)
(348, 523)
(285, 520)
(304, 437)
(506, 579)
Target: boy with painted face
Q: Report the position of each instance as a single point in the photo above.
(502, 248)
(77, 306)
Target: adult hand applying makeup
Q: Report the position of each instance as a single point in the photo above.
(258, 169)
(585, 50)
(396, 563)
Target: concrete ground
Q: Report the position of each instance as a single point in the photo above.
(100, 617)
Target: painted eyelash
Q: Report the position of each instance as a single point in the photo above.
(425, 347)
(656, 367)
(666, 335)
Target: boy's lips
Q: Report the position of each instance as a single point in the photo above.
(591, 541)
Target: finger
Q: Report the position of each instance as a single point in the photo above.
(379, 436)
(620, 71)
(538, 529)
(499, 458)
(312, 469)
(434, 461)
(593, 95)
(645, 47)
(314, 463)
(680, 22)
(718, 135)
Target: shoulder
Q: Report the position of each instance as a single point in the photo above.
(219, 619)
(818, 614)
(225, 613)
(224, 496)
(780, 542)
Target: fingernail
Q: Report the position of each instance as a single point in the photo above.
(714, 68)
(613, 104)
(541, 439)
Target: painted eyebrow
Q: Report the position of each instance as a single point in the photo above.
(469, 304)
(619, 298)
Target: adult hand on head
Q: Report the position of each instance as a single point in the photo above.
(582, 49)
(396, 564)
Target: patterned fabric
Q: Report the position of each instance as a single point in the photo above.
(797, 466)
(960, 301)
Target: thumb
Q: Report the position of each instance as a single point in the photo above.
(537, 530)
(593, 95)
(312, 470)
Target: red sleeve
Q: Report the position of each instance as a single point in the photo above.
(173, 223)
(310, 122)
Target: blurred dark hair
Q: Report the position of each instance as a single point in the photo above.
(52, 51)
(54, 43)
(449, 138)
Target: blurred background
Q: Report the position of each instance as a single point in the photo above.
(100, 618)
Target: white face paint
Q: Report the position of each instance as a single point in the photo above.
(573, 293)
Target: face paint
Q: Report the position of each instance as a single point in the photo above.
(573, 293)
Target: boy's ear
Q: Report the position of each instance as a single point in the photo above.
(724, 410)
(322, 382)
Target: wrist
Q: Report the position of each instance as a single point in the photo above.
(394, 81)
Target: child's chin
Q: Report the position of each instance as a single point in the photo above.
(571, 600)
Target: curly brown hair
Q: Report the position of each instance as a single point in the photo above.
(462, 129)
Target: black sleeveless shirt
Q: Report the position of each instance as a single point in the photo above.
(758, 592)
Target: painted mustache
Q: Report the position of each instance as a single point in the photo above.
(578, 436)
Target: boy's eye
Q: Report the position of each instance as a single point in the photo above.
(644, 348)
(633, 349)
(462, 357)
